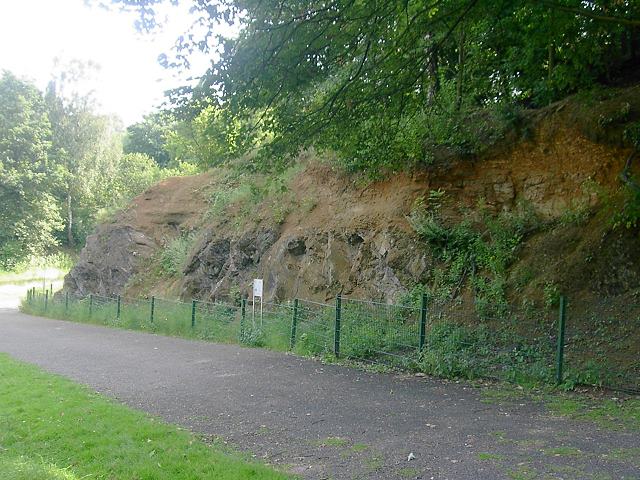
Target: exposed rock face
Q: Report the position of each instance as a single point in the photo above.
(121, 248)
(314, 265)
(111, 256)
(220, 264)
(354, 239)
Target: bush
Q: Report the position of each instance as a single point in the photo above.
(483, 256)
(175, 253)
(454, 351)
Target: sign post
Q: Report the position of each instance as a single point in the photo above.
(257, 292)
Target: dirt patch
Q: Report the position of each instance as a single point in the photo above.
(169, 207)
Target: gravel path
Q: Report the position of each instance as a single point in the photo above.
(324, 421)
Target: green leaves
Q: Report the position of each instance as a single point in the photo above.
(30, 216)
(388, 84)
(61, 166)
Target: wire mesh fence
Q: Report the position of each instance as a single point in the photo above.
(589, 357)
(315, 328)
(513, 343)
(380, 332)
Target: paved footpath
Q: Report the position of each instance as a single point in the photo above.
(324, 421)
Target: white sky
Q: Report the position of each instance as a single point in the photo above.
(130, 82)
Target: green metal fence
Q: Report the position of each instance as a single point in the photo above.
(518, 344)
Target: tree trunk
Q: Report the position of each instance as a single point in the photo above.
(432, 70)
(461, 59)
(70, 238)
(550, 67)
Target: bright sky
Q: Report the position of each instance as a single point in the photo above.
(130, 82)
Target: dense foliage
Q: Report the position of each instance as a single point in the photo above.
(149, 137)
(29, 216)
(388, 84)
(61, 165)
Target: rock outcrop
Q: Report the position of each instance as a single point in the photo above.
(343, 237)
(109, 259)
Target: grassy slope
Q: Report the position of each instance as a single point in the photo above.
(48, 274)
(53, 429)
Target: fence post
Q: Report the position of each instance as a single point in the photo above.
(90, 304)
(193, 313)
(336, 336)
(423, 321)
(118, 309)
(243, 314)
(294, 324)
(560, 347)
(66, 301)
(153, 308)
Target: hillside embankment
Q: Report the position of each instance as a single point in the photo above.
(321, 232)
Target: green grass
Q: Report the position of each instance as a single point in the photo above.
(620, 414)
(359, 447)
(524, 473)
(612, 414)
(505, 395)
(54, 429)
(626, 454)
(489, 456)
(563, 452)
(409, 472)
(175, 253)
(332, 442)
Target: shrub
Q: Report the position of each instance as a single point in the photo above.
(174, 254)
(466, 252)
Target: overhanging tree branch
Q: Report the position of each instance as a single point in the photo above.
(593, 15)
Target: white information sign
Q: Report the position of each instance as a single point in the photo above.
(257, 287)
(257, 293)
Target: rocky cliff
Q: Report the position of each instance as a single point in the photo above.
(330, 232)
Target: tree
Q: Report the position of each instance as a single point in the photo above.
(30, 216)
(331, 73)
(212, 138)
(149, 137)
(83, 147)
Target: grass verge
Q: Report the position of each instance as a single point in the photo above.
(613, 413)
(54, 429)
